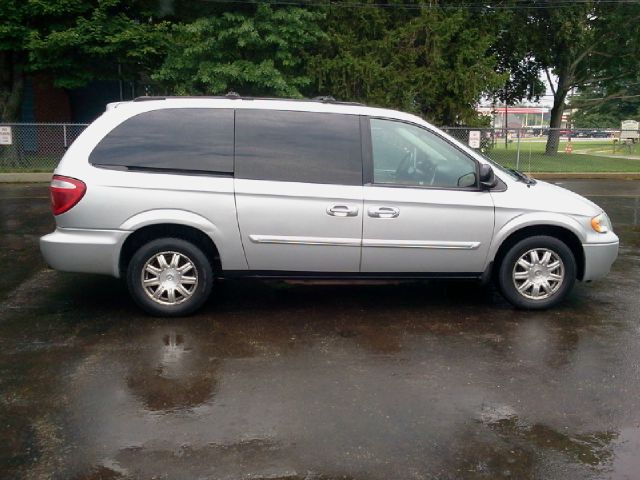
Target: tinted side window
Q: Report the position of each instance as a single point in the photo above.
(298, 147)
(179, 138)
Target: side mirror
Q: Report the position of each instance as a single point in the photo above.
(467, 180)
(488, 179)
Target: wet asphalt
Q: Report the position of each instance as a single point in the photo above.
(419, 380)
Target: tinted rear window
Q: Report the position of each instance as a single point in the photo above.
(298, 147)
(196, 139)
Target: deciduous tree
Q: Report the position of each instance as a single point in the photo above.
(74, 40)
(576, 45)
(434, 60)
(255, 51)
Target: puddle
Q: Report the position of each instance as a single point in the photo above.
(594, 449)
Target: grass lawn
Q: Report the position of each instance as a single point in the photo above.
(25, 170)
(600, 146)
(28, 164)
(533, 159)
(563, 162)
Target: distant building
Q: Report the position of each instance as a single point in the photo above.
(43, 102)
(516, 116)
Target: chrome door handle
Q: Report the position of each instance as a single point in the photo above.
(384, 212)
(339, 210)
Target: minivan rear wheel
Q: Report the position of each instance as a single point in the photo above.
(169, 277)
(537, 272)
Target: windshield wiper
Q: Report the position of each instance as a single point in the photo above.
(523, 177)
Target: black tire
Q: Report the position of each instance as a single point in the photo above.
(507, 283)
(182, 305)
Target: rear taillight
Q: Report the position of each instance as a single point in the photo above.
(65, 193)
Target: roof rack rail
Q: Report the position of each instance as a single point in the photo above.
(330, 99)
(324, 99)
(147, 98)
(236, 96)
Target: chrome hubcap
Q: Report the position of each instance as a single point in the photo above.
(169, 278)
(538, 273)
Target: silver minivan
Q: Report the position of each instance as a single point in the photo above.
(173, 193)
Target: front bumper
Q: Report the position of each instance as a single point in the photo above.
(598, 258)
(86, 251)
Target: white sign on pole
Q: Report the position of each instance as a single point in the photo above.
(629, 130)
(6, 137)
(474, 138)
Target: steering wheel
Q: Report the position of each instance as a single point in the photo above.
(418, 175)
(402, 169)
(433, 171)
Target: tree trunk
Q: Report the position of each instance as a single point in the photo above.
(553, 140)
(11, 87)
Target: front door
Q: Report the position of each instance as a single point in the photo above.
(298, 187)
(423, 209)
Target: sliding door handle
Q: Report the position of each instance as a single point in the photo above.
(383, 212)
(339, 210)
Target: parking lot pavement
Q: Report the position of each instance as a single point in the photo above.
(419, 380)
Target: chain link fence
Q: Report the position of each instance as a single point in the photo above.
(36, 147)
(39, 147)
(541, 149)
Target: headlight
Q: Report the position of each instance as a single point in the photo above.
(601, 223)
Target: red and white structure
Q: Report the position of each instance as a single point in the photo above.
(516, 117)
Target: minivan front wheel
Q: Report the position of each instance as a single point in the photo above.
(169, 277)
(537, 272)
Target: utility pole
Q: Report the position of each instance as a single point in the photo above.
(493, 116)
(506, 117)
(120, 81)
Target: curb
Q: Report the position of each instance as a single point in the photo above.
(25, 177)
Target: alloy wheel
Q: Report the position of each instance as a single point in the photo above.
(538, 273)
(169, 278)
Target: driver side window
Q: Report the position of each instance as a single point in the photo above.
(404, 154)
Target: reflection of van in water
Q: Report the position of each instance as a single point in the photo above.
(171, 193)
